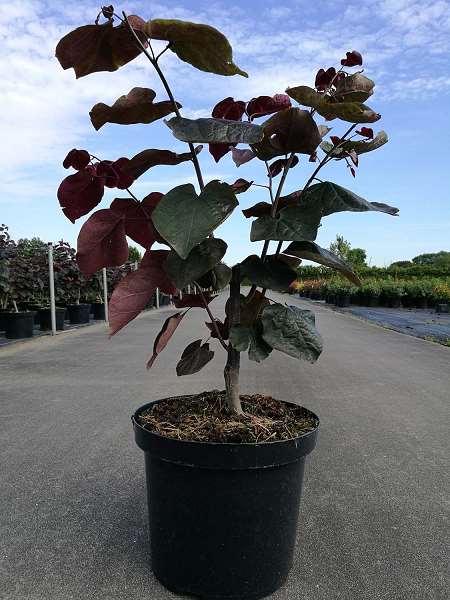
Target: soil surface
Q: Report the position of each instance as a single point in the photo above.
(206, 418)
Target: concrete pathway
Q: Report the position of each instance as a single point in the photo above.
(72, 506)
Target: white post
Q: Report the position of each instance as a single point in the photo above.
(51, 280)
(105, 293)
(157, 297)
(135, 265)
(189, 288)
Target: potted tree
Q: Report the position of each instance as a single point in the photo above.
(18, 323)
(223, 495)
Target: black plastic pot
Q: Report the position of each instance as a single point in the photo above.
(3, 312)
(164, 300)
(394, 301)
(373, 300)
(79, 313)
(343, 300)
(98, 311)
(18, 325)
(331, 298)
(442, 308)
(420, 302)
(45, 318)
(223, 517)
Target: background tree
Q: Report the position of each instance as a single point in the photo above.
(441, 258)
(355, 257)
(134, 255)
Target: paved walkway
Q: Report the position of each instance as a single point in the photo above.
(73, 515)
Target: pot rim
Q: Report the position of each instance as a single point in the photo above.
(223, 455)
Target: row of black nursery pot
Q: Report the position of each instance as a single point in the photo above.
(344, 300)
(21, 324)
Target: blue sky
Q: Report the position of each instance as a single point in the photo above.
(405, 45)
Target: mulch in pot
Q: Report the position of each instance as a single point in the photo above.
(206, 418)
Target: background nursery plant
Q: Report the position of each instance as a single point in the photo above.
(274, 132)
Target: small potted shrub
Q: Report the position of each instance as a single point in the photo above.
(223, 495)
(392, 292)
(371, 290)
(18, 323)
(441, 295)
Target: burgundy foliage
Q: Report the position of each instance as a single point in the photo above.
(114, 173)
(78, 194)
(135, 291)
(267, 105)
(163, 337)
(77, 159)
(352, 59)
(366, 132)
(92, 48)
(193, 300)
(224, 328)
(277, 166)
(230, 109)
(241, 185)
(324, 78)
(137, 218)
(101, 242)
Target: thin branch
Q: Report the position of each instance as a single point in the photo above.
(156, 66)
(213, 321)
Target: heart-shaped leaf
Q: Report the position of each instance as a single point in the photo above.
(134, 291)
(214, 131)
(136, 217)
(291, 330)
(241, 185)
(359, 146)
(287, 225)
(313, 252)
(184, 219)
(135, 107)
(240, 157)
(290, 130)
(93, 48)
(163, 337)
(79, 193)
(198, 262)
(195, 356)
(153, 157)
(272, 273)
(354, 112)
(249, 337)
(201, 46)
(354, 88)
(300, 221)
(101, 242)
(193, 300)
(217, 279)
(267, 105)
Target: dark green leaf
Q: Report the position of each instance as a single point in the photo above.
(293, 225)
(300, 221)
(184, 219)
(218, 278)
(291, 330)
(313, 252)
(194, 358)
(135, 107)
(201, 46)
(199, 261)
(215, 131)
(273, 273)
(249, 337)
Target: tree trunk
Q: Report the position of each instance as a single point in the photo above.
(231, 372)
